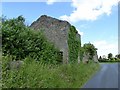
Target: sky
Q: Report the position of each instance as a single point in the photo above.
(95, 20)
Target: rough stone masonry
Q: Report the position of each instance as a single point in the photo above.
(56, 32)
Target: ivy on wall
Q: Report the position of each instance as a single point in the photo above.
(74, 44)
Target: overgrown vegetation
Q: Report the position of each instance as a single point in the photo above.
(41, 60)
(20, 41)
(38, 75)
(74, 44)
(89, 48)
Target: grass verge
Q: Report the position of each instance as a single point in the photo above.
(0, 70)
(38, 75)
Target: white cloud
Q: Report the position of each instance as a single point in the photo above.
(81, 33)
(89, 9)
(46, 1)
(49, 2)
(105, 47)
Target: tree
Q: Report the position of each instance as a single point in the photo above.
(89, 48)
(100, 58)
(118, 56)
(110, 55)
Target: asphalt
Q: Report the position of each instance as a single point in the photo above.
(106, 77)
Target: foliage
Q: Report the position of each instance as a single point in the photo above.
(110, 58)
(113, 60)
(0, 34)
(20, 41)
(74, 44)
(100, 59)
(110, 55)
(89, 48)
(81, 53)
(118, 56)
(34, 74)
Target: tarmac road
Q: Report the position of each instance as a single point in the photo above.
(106, 77)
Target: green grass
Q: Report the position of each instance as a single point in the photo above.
(37, 75)
(19, 42)
(0, 69)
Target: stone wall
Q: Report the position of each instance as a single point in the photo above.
(86, 58)
(15, 64)
(95, 57)
(56, 32)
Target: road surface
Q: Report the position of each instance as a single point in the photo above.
(106, 77)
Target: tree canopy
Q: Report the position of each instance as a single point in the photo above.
(89, 48)
(110, 55)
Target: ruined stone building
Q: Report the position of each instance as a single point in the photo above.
(56, 32)
(86, 58)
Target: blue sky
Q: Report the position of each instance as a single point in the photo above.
(97, 23)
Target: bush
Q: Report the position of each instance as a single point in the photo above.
(21, 41)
